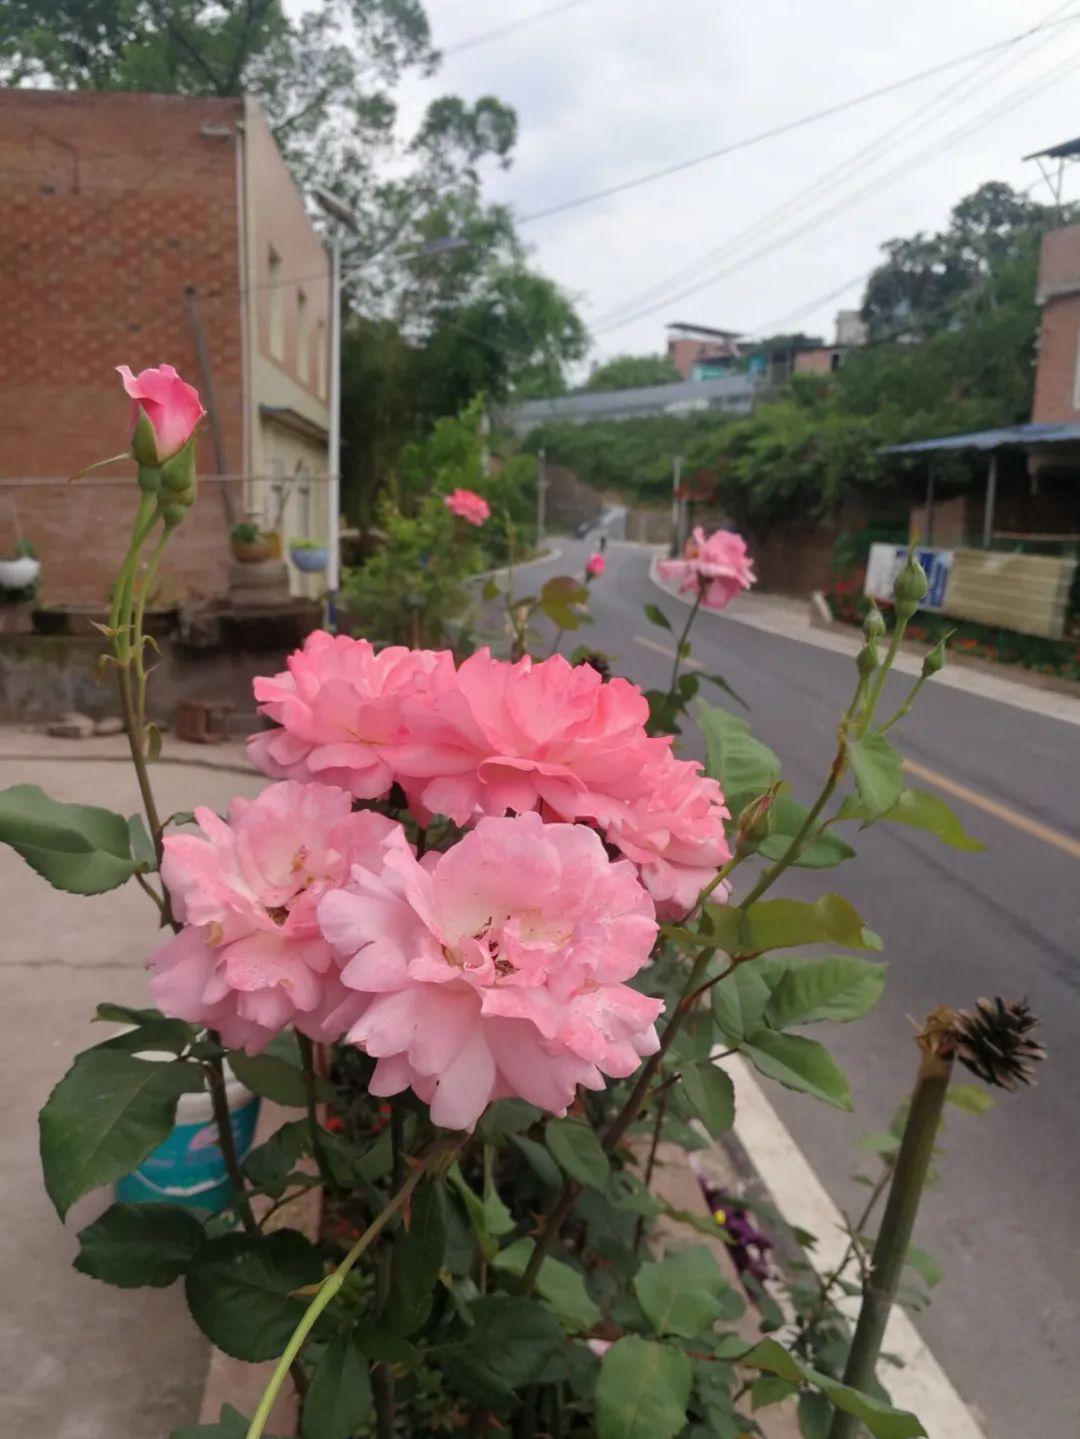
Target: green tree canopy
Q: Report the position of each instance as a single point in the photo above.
(632, 372)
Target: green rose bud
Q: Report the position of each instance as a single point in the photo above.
(149, 479)
(173, 513)
(874, 624)
(866, 661)
(755, 821)
(910, 587)
(935, 660)
(143, 440)
(178, 472)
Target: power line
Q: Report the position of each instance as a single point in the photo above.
(485, 37)
(1042, 81)
(786, 128)
(915, 121)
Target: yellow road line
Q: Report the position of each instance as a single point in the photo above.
(1055, 837)
(668, 651)
(1065, 842)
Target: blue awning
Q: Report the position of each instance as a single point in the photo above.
(1011, 435)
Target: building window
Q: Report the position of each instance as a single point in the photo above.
(276, 304)
(303, 338)
(1076, 377)
(320, 359)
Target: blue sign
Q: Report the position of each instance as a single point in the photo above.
(936, 565)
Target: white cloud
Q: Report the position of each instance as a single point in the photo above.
(609, 89)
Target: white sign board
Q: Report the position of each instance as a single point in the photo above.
(886, 562)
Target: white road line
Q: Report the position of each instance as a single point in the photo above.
(921, 1386)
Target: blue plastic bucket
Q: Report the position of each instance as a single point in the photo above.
(189, 1168)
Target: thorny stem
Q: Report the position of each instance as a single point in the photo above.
(882, 675)
(328, 1289)
(827, 1282)
(890, 1250)
(318, 1149)
(682, 639)
(650, 1163)
(906, 706)
(137, 628)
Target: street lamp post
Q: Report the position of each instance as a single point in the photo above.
(345, 220)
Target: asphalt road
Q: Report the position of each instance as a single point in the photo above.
(1005, 1321)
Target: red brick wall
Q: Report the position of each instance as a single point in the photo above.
(1059, 330)
(112, 206)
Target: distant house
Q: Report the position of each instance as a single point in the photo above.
(701, 353)
(139, 229)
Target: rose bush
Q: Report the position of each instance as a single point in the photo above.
(453, 882)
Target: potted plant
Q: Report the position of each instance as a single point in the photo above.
(311, 556)
(20, 570)
(248, 544)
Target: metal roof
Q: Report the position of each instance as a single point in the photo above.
(1065, 151)
(1028, 434)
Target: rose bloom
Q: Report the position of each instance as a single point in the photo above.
(339, 706)
(520, 736)
(595, 567)
(717, 568)
(468, 505)
(674, 833)
(170, 404)
(250, 958)
(497, 969)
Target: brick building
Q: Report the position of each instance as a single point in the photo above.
(1057, 376)
(139, 229)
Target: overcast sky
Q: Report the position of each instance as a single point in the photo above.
(609, 89)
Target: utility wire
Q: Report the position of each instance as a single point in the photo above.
(918, 119)
(647, 179)
(486, 37)
(1041, 82)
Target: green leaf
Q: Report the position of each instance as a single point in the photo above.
(711, 1094)
(642, 1391)
(76, 847)
(925, 811)
(142, 846)
(739, 1001)
(770, 1389)
(132, 1245)
(124, 1014)
(685, 1293)
(491, 589)
(507, 1116)
(875, 765)
(153, 743)
(814, 1414)
(722, 683)
(742, 764)
(270, 1076)
(418, 1257)
(560, 1286)
(489, 1215)
(786, 923)
(799, 1063)
(231, 1425)
(104, 1117)
(883, 1421)
(970, 1097)
(843, 987)
(373, 1341)
(577, 1150)
(510, 1343)
(657, 616)
(239, 1290)
(786, 818)
(539, 1160)
(154, 1036)
(269, 1165)
(925, 1266)
(339, 1397)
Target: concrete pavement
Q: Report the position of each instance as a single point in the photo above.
(1005, 1321)
(79, 1359)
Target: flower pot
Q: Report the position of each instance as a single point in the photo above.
(312, 562)
(253, 552)
(189, 1168)
(21, 573)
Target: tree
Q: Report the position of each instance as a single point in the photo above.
(632, 372)
(926, 281)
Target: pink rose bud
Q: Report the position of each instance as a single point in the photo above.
(595, 567)
(468, 505)
(165, 410)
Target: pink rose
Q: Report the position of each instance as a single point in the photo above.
(674, 833)
(520, 736)
(718, 567)
(171, 405)
(339, 708)
(497, 969)
(250, 958)
(468, 505)
(595, 567)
